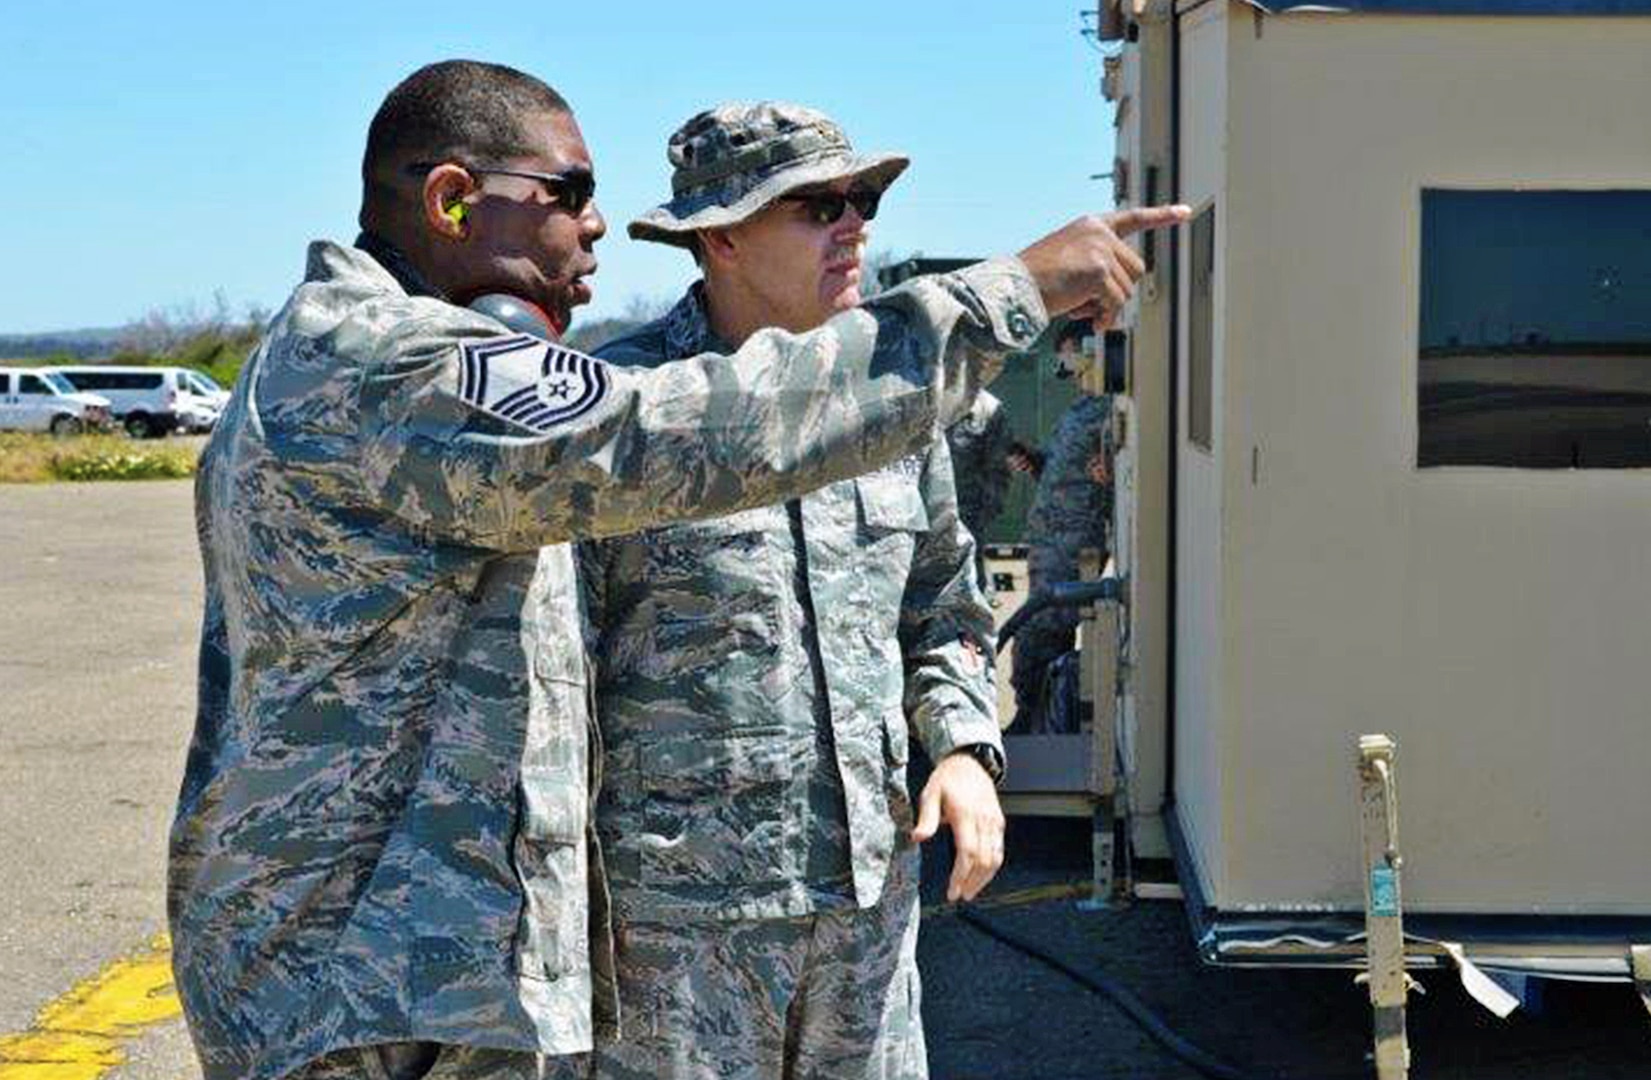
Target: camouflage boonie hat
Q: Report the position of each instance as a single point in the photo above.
(730, 161)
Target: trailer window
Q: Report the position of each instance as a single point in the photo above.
(1201, 332)
(1535, 342)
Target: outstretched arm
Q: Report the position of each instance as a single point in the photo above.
(482, 439)
(509, 442)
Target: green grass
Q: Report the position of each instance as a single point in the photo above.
(28, 458)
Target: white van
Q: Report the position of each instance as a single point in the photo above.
(206, 387)
(39, 399)
(150, 401)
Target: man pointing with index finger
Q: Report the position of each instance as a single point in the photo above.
(1087, 269)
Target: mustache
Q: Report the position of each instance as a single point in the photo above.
(850, 252)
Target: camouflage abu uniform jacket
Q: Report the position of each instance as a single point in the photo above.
(382, 828)
(755, 675)
(1070, 511)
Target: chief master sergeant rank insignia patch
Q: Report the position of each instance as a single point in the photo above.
(530, 382)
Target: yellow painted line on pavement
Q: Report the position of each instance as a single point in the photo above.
(81, 1035)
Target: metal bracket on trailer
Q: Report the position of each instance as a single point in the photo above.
(1383, 908)
(1099, 681)
(1077, 773)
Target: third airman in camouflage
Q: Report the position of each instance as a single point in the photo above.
(1071, 510)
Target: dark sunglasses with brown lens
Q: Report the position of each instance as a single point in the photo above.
(573, 190)
(828, 207)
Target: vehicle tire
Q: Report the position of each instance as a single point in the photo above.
(64, 426)
(141, 426)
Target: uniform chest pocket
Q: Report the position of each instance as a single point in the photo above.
(892, 518)
(717, 809)
(719, 557)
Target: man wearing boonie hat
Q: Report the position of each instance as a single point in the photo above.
(757, 674)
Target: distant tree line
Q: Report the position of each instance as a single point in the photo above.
(216, 341)
(58, 347)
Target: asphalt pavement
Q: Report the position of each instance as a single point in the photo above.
(99, 608)
(993, 1011)
(100, 593)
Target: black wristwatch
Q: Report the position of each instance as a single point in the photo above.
(990, 758)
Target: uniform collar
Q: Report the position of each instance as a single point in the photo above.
(688, 327)
(398, 265)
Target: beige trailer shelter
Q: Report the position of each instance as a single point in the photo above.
(1387, 468)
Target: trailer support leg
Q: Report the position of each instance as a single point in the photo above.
(1103, 888)
(1099, 684)
(1383, 910)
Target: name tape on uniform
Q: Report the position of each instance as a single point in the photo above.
(530, 382)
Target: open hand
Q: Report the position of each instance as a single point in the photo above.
(961, 795)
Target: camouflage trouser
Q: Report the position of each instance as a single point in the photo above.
(825, 997)
(440, 1061)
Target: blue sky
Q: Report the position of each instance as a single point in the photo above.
(163, 153)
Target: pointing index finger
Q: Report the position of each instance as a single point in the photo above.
(1141, 218)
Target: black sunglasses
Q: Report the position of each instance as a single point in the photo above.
(573, 190)
(827, 207)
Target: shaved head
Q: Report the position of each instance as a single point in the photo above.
(462, 109)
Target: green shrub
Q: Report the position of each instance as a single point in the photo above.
(124, 464)
(28, 458)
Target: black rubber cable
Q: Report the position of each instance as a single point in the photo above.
(1202, 1061)
(1120, 995)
